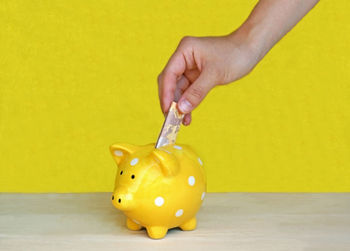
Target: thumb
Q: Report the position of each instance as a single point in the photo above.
(196, 92)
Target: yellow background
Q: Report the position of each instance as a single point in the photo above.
(77, 76)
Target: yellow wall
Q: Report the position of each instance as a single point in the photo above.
(76, 76)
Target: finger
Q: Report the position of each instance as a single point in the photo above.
(192, 75)
(181, 86)
(196, 92)
(187, 119)
(165, 98)
(160, 91)
(168, 79)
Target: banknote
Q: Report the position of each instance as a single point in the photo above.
(171, 126)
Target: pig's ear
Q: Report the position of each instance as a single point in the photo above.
(167, 162)
(122, 150)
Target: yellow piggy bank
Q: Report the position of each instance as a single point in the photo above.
(159, 188)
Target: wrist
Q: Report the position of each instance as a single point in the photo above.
(254, 37)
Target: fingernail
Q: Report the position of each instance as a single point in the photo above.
(185, 106)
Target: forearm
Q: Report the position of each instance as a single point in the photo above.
(200, 63)
(270, 20)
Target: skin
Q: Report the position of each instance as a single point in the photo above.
(201, 63)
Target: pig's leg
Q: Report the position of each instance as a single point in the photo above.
(157, 232)
(132, 225)
(189, 225)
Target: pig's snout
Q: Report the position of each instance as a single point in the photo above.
(123, 201)
(119, 199)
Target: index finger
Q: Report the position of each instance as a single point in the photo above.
(167, 80)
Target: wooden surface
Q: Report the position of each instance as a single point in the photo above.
(227, 221)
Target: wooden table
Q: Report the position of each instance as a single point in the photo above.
(227, 221)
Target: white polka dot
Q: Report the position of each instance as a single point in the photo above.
(118, 153)
(191, 180)
(203, 194)
(159, 201)
(200, 161)
(134, 161)
(135, 221)
(178, 147)
(179, 212)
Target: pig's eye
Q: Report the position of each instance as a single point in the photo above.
(121, 172)
(133, 176)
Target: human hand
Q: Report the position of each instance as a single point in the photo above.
(201, 63)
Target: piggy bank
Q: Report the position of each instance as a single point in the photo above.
(158, 189)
